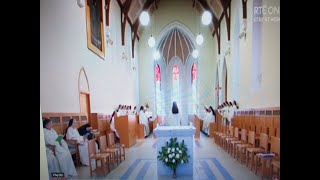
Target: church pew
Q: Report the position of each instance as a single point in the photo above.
(196, 123)
(200, 123)
(150, 126)
(101, 122)
(218, 121)
(126, 125)
(212, 126)
(212, 129)
(139, 129)
(219, 128)
(155, 122)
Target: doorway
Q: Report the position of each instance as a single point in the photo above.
(84, 93)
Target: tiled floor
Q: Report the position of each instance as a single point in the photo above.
(211, 162)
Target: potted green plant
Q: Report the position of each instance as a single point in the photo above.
(173, 154)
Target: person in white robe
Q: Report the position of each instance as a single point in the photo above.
(112, 125)
(122, 111)
(225, 113)
(143, 119)
(210, 118)
(134, 111)
(230, 113)
(174, 119)
(53, 164)
(233, 108)
(61, 149)
(73, 134)
(127, 110)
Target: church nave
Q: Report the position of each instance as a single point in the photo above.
(211, 162)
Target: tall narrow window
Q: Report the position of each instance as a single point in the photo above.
(194, 77)
(175, 85)
(158, 89)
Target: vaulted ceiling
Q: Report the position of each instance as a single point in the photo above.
(175, 44)
(137, 6)
(131, 10)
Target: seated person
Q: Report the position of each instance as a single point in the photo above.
(86, 131)
(53, 164)
(73, 134)
(143, 119)
(61, 149)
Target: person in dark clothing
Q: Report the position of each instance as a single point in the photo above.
(86, 130)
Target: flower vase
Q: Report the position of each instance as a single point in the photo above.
(174, 173)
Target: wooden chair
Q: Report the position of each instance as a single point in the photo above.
(113, 152)
(220, 135)
(93, 155)
(241, 148)
(226, 136)
(251, 152)
(261, 161)
(235, 137)
(275, 162)
(121, 147)
(242, 141)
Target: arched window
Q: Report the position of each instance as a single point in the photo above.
(194, 78)
(175, 85)
(158, 89)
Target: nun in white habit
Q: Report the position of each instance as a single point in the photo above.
(61, 149)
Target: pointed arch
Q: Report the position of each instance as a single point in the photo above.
(175, 40)
(83, 83)
(84, 94)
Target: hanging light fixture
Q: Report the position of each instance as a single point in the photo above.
(206, 18)
(199, 39)
(195, 53)
(151, 41)
(156, 55)
(144, 18)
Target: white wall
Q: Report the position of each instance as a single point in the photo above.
(268, 93)
(168, 12)
(64, 51)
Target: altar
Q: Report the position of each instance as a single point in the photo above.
(186, 133)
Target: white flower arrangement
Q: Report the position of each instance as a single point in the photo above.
(176, 152)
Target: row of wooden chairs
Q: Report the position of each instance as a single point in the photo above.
(108, 156)
(246, 149)
(260, 124)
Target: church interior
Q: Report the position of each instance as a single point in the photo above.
(160, 89)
